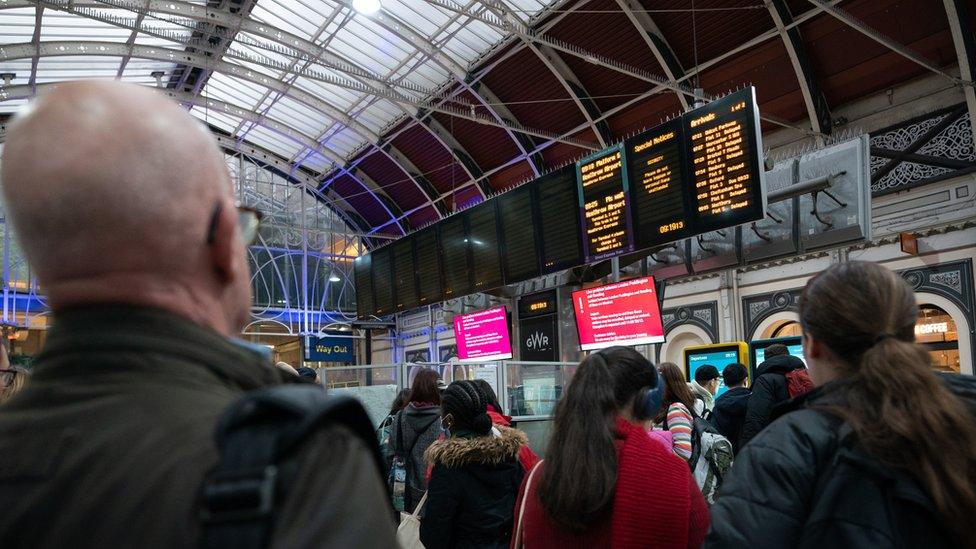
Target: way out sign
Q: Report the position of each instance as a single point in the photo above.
(328, 349)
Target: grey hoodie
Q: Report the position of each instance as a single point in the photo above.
(421, 426)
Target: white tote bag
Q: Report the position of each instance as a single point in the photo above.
(408, 533)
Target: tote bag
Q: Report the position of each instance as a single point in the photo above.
(408, 533)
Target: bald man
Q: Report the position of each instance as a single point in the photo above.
(124, 208)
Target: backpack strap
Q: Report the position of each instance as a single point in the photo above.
(258, 438)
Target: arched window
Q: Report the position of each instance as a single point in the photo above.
(787, 329)
(936, 330)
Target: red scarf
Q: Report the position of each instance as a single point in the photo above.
(646, 469)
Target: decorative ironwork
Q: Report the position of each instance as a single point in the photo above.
(922, 150)
(757, 308)
(703, 315)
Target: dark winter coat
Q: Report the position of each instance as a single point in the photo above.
(472, 491)
(109, 443)
(730, 413)
(420, 426)
(769, 389)
(803, 482)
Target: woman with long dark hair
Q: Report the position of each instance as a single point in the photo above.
(880, 454)
(604, 482)
(675, 415)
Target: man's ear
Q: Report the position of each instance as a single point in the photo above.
(226, 245)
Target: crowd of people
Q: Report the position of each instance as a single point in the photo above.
(113, 438)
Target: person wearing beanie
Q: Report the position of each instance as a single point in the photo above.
(730, 408)
(475, 478)
(705, 385)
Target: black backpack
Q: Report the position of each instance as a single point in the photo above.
(259, 437)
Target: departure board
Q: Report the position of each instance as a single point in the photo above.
(364, 286)
(727, 171)
(454, 250)
(656, 170)
(603, 204)
(405, 274)
(520, 257)
(428, 266)
(486, 262)
(382, 271)
(561, 243)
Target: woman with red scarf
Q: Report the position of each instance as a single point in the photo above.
(604, 482)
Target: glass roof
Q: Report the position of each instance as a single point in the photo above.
(294, 73)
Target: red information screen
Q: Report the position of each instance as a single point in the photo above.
(483, 336)
(625, 313)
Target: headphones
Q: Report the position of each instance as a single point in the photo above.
(649, 399)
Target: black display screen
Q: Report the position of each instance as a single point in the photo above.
(561, 243)
(604, 204)
(724, 155)
(454, 250)
(405, 274)
(382, 281)
(658, 186)
(521, 259)
(486, 264)
(364, 286)
(428, 266)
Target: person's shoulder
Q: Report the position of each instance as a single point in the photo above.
(677, 407)
(800, 431)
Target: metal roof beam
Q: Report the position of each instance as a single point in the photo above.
(960, 24)
(655, 40)
(563, 74)
(816, 104)
(406, 33)
(511, 24)
(866, 30)
(36, 41)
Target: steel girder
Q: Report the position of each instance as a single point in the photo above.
(816, 104)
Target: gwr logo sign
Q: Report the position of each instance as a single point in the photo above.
(538, 341)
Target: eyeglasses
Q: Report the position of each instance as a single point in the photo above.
(248, 219)
(7, 377)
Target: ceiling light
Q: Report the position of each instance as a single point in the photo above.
(334, 278)
(366, 7)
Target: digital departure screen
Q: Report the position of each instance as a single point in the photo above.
(698, 173)
(603, 205)
(562, 243)
(455, 257)
(405, 274)
(364, 285)
(658, 184)
(726, 169)
(520, 257)
(382, 281)
(428, 266)
(486, 265)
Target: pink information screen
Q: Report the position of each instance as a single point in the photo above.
(483, 336)
(624, 313)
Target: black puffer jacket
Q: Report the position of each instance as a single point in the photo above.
(472, 491)
(803, 483)
(729, 414)
(768, 390)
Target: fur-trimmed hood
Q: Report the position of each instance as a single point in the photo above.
(486, 450)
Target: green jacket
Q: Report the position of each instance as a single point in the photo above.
(108, 444)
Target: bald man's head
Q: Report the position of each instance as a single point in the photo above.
(106, 181)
